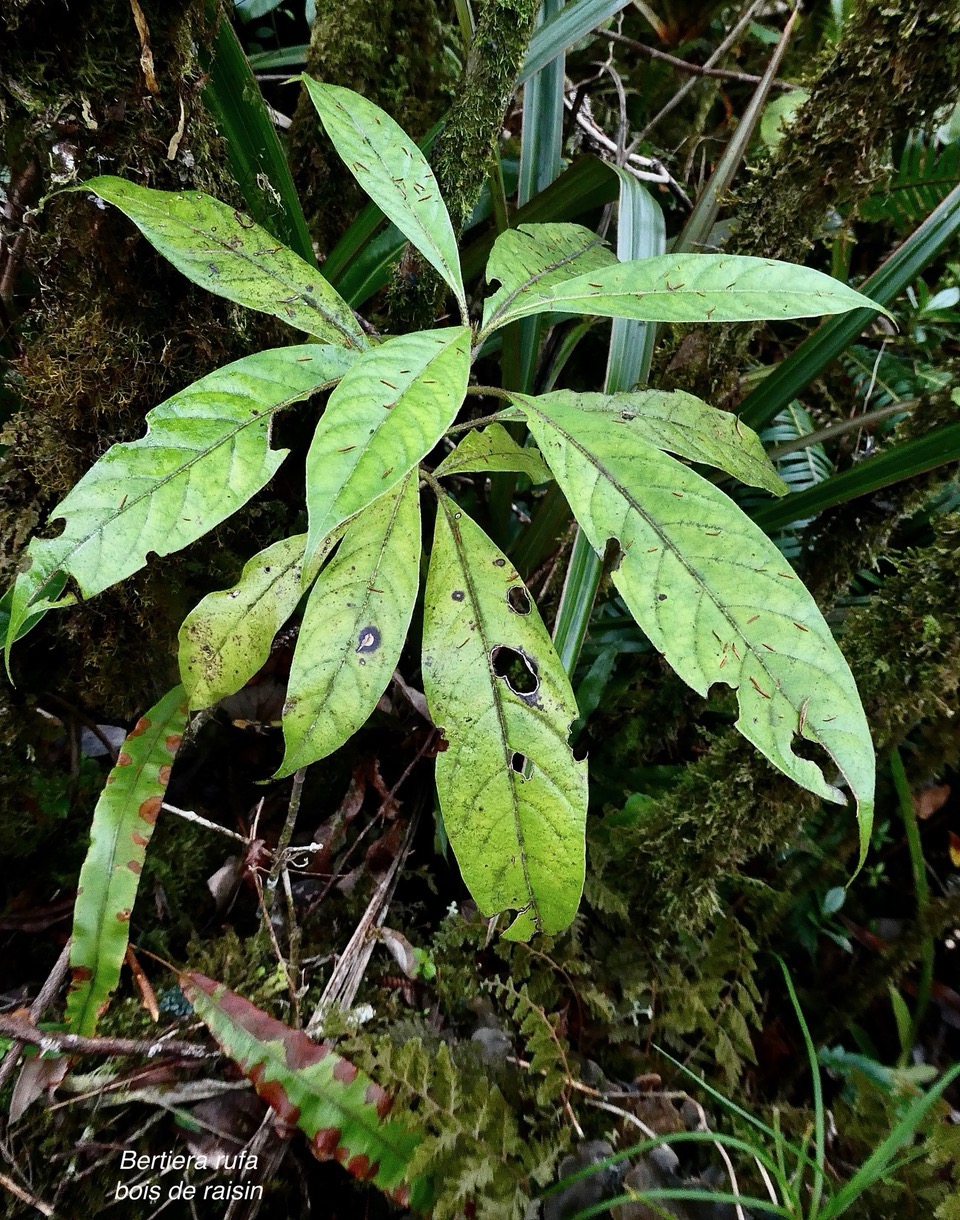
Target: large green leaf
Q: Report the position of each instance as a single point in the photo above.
(394, 173)
(494, 449)
(343, 1113)
(226, 639)
(573, 22)
(229, 254)
(354, 628)
(681, 424)
(206, 452)
(123, 823)
(536, 258)
(686, 288)
(382, 419)
(714, 595)
(513, 796)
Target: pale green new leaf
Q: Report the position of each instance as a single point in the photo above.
(394, 173)
(494, 449)
(206, 452)
(353, 628)
(123, 823)
(681, 424)
(513, 796)
(227, 638)
(714, 595)
(688, 288)
(227, 253)
(537, 258)
(384, 417)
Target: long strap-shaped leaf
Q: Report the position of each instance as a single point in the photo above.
(714, 595)
(123, 823)
(513, 796)
(387, 413)
(354, 628)
(229, 254)
(574, 22)
(206, 452)
(685, 288)
(341, 1110)
(394, 173)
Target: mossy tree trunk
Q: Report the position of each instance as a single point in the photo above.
(100, 328)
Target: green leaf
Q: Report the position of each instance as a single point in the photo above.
(227, 638)
(229, 254)
(123, 823)
(384, 417)
(206, 452)
(250, 139)
(686, 288)
(512, 795)
(681, 424)
(354, 628)
(573, 22)
(394, 173)
(493, 448)
(536, 258)
(714, 595)
(342, 1112)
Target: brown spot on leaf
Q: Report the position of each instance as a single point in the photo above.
(326, 1143)
(140, 727)
(135, 867)
(376, 1096)
(344, 1071)
(140, 840)
(164, 774)
(368, 640)
(150, 809)
(124, 916)
(173, 742)
(124, 760)
(82, 974)
(275, 1095)
(401, 1195)
(362, 1167)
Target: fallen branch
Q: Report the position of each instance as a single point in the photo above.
(22, 1030)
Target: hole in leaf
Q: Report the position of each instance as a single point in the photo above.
(518, 762)
(518, 671)
(518, 600)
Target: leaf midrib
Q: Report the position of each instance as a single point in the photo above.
(526, 286)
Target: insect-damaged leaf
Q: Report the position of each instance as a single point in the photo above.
(229, 254)
(394, 173)
(513, 796)
(535, 258)
(387, 413)
(227, 638)
(343, 1113)
(494, 449)
(714, 595)
(689, 288)
(353, 628)
(681, 424)
(206, 452)
(122, 825)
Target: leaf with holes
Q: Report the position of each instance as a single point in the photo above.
(227, 253)
(386, 415)
(342, 1112)
(206, 452)
(681, 424)
(123, 823)
(714, 595)
(513, 796)
(536, 258)
(227, 638)
(353, 628)
(483, 451)
(394, 173)
(687, 288)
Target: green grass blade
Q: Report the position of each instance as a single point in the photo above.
(123, 823)
(901, 462)
(819, 1123)
(253, 147)
(640, 234)
(836, 334)
(566, 27)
